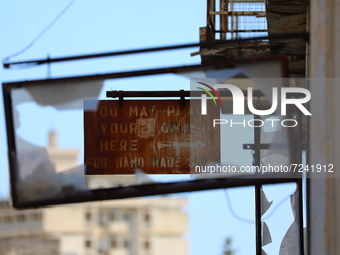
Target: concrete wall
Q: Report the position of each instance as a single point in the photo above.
(64, 219)
(169, 222)
(175, 245)
(324, 126)
(73, 244)
(68, 227)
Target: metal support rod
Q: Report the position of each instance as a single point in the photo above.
(223, 21)
(266, 146)
(308, 215)
(181, 93)
(242, 31)
(303, 36)
(258, 223)
(215, 65)
(211, 19)
(169, 93)
(258, 209)
(299, 187)
(160, 188)
(308, 182)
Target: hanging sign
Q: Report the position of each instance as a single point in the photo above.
(157, 136)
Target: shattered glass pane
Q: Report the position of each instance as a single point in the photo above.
(280, 222)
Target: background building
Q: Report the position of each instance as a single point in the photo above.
(126, 227)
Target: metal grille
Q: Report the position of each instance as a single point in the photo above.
(234, 19)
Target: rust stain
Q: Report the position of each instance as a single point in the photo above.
(157, 136)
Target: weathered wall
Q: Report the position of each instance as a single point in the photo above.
(325, 125)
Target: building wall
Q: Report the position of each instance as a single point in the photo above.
(126, 227)
(168, 222)
(66, 219)
(72, 244)
(29, 246)
(168, 245)
(324, 126)
(23, 223)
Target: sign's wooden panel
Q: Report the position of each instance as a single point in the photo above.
(157, 136)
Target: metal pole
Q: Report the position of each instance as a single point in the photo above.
(299, 187)
(258, 209)
(28, 63)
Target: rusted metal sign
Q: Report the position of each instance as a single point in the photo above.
(157, 136)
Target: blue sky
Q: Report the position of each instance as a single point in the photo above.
(92, 27)
(104, 26)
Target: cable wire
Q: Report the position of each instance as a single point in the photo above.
(42, 32)
(234, 214)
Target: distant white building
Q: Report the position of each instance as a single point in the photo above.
(125, 227)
